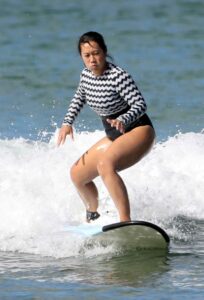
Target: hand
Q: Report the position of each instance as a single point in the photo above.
(64, 131)
(117, 124)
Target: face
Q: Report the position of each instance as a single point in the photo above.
(93, 57)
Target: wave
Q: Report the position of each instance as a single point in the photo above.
(37, 197)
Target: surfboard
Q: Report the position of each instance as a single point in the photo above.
(129, 235)
(134, 235)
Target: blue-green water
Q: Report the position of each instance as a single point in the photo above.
(161, 44)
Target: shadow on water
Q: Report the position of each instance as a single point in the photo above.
(125, 269)
(131, 269)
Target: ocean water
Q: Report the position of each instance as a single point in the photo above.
(161, 44)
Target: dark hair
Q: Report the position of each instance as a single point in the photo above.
(90, 37)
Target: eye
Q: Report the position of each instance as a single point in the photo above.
(96, 52)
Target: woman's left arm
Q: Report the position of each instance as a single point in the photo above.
(128, 90)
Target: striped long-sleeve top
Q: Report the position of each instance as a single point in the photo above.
(108, 94)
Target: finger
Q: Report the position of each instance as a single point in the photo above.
(120, 127)
(111, 122)
(72, 134)
(122, 130)
(61, 139)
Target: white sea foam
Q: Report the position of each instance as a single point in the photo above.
(37, 197)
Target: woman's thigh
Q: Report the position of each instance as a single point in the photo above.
(85, 168)
(129, 148)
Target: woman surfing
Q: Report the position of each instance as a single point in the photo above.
(112, 93)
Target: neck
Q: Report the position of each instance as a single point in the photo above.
(101, 71)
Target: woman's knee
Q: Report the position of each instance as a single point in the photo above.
(105, 166)
(74, 174)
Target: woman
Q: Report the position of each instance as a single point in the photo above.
(113, 95)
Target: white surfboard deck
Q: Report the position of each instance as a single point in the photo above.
(124, 235)
(86, 230)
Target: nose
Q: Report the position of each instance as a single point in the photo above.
(92, 58)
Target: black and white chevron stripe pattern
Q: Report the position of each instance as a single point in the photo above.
(107, 94)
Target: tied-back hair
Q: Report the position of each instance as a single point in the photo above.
(93, 36)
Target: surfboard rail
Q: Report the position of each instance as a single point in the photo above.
(113, 226)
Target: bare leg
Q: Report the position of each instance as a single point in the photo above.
(89, 195)
(118, 193)
(85, 170)
(123, 153)
(106, 158)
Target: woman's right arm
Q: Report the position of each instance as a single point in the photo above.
(76, 105)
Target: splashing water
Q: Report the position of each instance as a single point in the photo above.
(37, 197)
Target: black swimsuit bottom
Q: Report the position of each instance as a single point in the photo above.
(112, 133)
